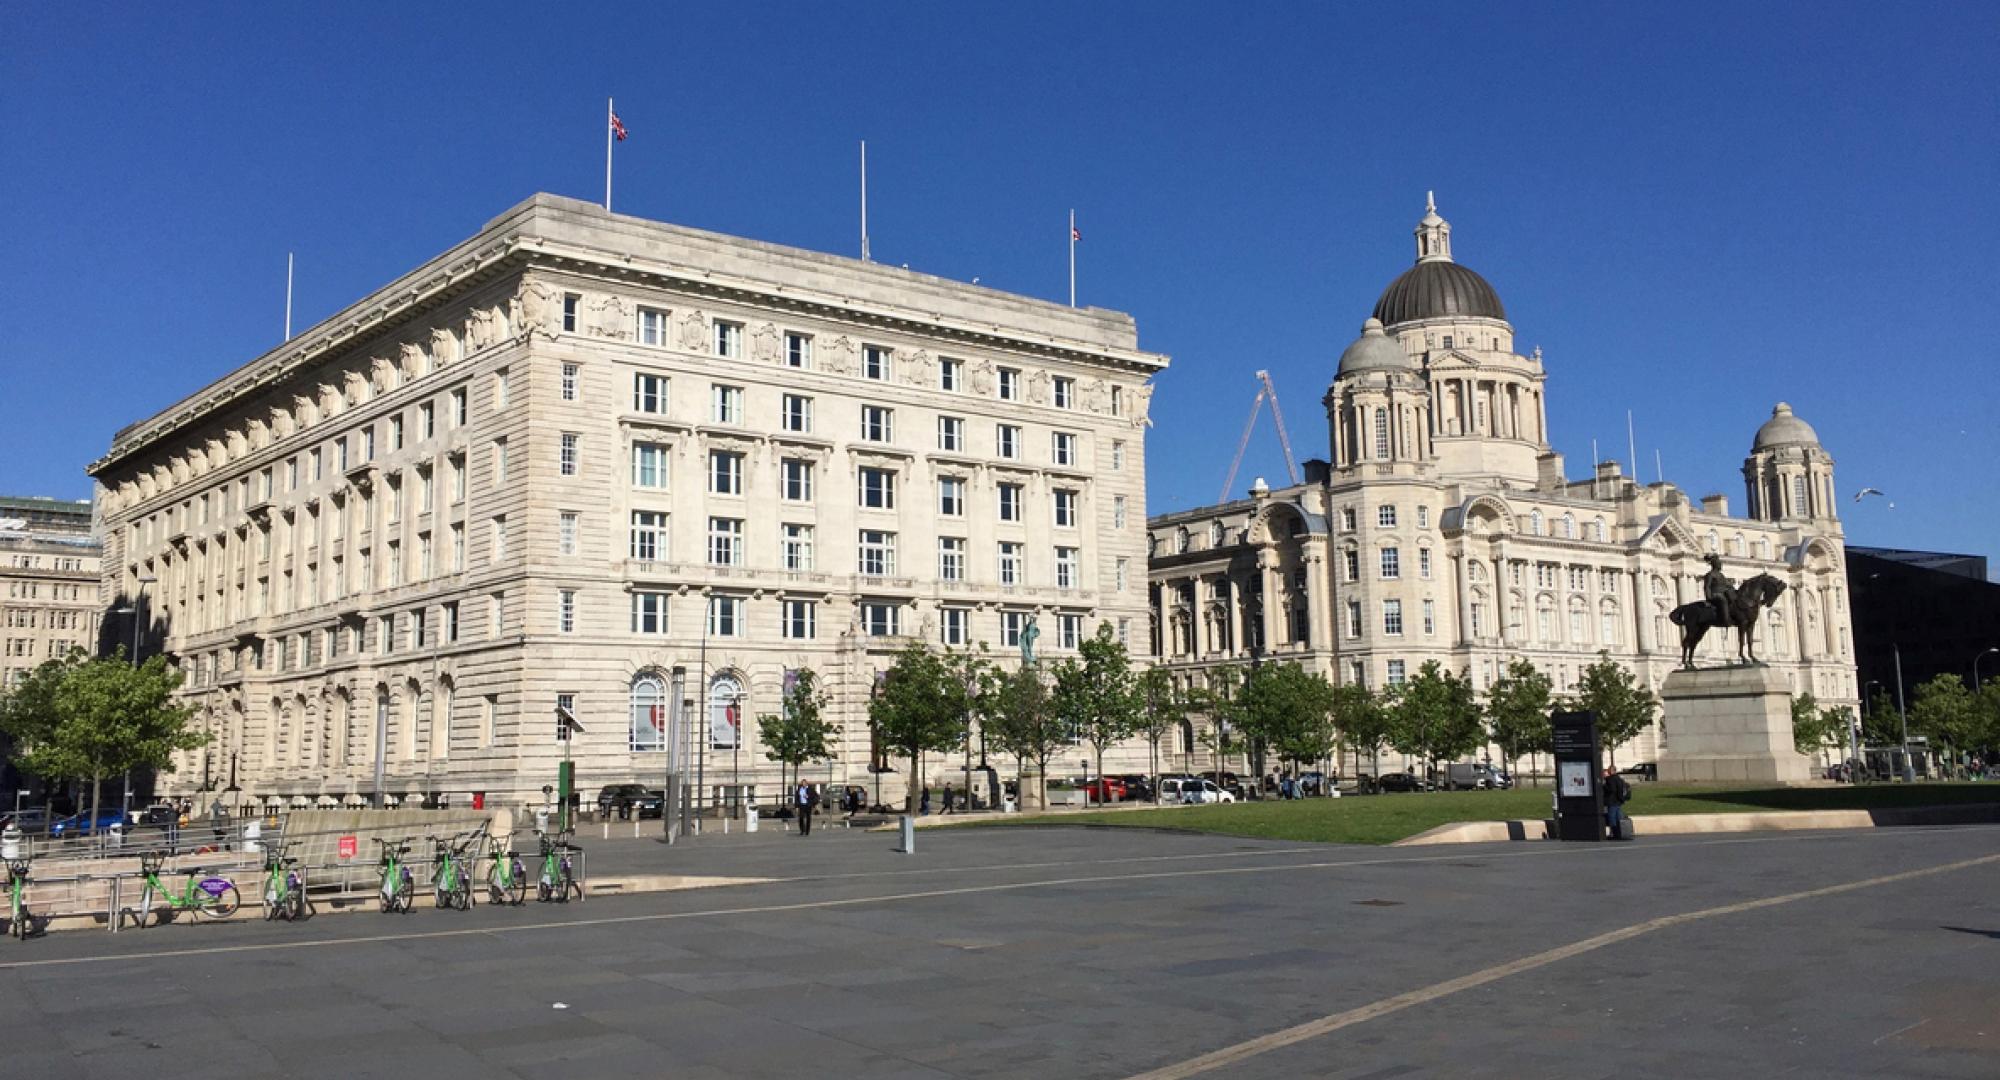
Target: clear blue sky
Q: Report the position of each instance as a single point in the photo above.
(1695, 211)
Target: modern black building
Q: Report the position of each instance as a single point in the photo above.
(1936, 609)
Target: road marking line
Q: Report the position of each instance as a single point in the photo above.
(926, 894)
(1230, 1055)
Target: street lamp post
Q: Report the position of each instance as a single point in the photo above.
(1975, 666)
(1903, 717)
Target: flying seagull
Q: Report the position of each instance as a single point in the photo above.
(1867, 491)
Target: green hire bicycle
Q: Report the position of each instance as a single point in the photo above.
(506, 879)
(558, 877)
(203, 893)
(19, 921)
(451, 880)
(398, 888)
(284, 886)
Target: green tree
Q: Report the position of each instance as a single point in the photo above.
(919, 709)
(1881, 724)
(1815, 728)
(1517, 711)
(89, 719)
(1624, 708)
(799, 732)
(1162, 708)
(1945, 711)
(1435, 715)
(1361, 719)
(1290, 710)
(979, 675)
(1022, 723)
(1222, 700)
(1097, 695)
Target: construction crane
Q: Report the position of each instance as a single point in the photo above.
(1263, 392)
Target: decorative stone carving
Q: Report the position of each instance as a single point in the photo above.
(919, 369)
(329, 400)
(981, 379)
(1038, 388)
(1096, 396)
(355, 388)
(304, 409)
(837, 357)
(694, 332)
(444, 346)
(535, 309)
(764, 343)
(383, 373)
(1142, 399)
(414, 363)
(484, 326)
(611, 317)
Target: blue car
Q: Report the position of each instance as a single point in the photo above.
(82, 825)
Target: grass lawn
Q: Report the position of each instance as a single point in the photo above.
(1385, 819)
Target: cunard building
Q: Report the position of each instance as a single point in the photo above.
(1441, 526)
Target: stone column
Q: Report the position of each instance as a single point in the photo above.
(1267, 565)
(1459, 575)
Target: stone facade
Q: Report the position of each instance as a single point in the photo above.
(1729, 726)
(1442, 527)
(49, 557)
(583, 459)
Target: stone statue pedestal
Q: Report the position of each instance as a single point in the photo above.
(1729, 725)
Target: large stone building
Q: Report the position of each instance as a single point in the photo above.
(1442, 527)
(49, 563)
(626, 468)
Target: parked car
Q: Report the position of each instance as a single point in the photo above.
(1196, 791)
(1401, 781)
(1105, 789)
(1645, 770)
(30, 819)
(645, 802)
(1138, 786)
(1227, 781)
(83, 825)
(1471, 776)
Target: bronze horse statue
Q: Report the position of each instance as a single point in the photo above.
(1741, 609)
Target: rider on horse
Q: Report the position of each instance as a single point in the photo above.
(1716, 589)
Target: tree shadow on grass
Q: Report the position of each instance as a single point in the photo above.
(1864, 797)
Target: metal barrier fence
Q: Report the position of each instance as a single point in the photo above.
(114, 882)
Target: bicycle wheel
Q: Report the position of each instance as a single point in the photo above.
(405, 893)
(217, 905)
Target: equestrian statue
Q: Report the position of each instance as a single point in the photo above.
(1725, 604)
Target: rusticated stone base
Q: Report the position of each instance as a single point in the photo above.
(1729, 725)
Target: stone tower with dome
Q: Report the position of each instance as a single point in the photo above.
(1443, 527)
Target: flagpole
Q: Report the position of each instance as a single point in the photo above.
(864, 200)
(1072, 258)
(1631, 447)
(288, 296)
(609, 113)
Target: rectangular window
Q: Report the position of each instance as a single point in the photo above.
(566, 705)
(797, 480)
(569, 382)
(798, 351)
(566, 611)
(500, 461)
(566, 533)
(1010, 501)
(1396, 673)
(797, 413)
(499, 538)
(456, 466)
(725, 473)
(457, 547)
(951, 496)
(1392, 617)
(426, 423)
(1065, 392)
(1392, 564)
(1424, 563)
(1065, 508)
(951, 558)
(649, 466)
(458, 408)
(571, 302)
(395, 443)
(1118, 455)
(1423, 517)
(954, 626)
(649, 613)
(317, 473)
(726, 404)
(725, 616)
(1011, 624)
(1066, 568)
(496, 610)
(877, 423)
(1354, 618)
(449, 629)
(1010, 384)
(649, 393)
(500, 389)
(725, 541)
(881, 620)
(1385, 516)
(649, 535)
(1010, 563)
(951, 433)
(1430, 617)
(1350, 565)
(1123, 573)
(1069, 631)
(1007, 441)
(566, 462)
(798, 546)
(1118, 511)
(878, 489)
(801, 620)
(951, 374)
(385, 635)
(877, 553)
(728, 339)
(875, 363)
(1062, 449)
(652, 326)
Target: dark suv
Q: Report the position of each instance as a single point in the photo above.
(642, 800)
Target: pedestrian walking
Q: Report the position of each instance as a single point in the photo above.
(803, 800)
(949, 797)
(924, 804)
(1616, 793)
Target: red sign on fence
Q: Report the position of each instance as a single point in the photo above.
(349, 846)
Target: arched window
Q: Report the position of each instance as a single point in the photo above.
(725, 712)
(1799, 495)
(1607, 629)
(1215, 534)
(441, 700)
(1182, 541)
(1597, 530)
(1568, 527)
(406, 740)
(649, 713)
(1382, 434)
(1714, 542)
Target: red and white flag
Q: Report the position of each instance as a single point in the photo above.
(617, 127)
(1073, 234)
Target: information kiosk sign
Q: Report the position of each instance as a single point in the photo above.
(1579, 794)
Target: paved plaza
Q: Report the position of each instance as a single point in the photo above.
(1071, 952)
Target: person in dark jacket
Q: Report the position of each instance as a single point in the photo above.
(1616, 793)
